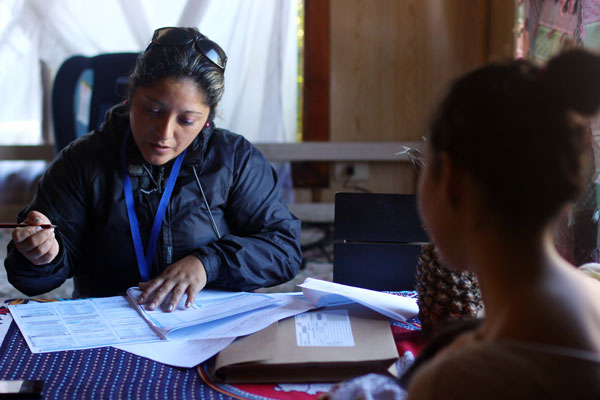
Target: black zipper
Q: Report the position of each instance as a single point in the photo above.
(161, 178)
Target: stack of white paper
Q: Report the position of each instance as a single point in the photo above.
(324, 294)
(183, 337)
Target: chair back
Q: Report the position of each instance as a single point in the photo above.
(84, 89)
(377, 240)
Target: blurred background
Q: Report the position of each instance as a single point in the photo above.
(309, 76)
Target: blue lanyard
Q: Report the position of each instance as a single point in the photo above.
(143, 263)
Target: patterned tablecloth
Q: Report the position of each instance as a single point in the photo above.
(109, 373)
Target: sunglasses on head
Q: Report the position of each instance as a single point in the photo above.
(171, 36)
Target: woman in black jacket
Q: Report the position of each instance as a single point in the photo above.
(158, 195)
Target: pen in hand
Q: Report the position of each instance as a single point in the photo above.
(12, 226)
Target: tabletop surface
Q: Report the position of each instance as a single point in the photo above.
(111, 373)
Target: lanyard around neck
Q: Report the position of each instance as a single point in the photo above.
(145, 263)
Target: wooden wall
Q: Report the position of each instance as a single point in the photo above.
(391, 61)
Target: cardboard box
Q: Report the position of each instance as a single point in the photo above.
(275, 355)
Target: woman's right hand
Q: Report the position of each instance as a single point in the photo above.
(38, 245)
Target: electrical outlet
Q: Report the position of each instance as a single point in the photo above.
(351, 170)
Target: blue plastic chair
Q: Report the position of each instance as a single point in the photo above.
(84, 89)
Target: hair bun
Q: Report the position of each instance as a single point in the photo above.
(574, 76)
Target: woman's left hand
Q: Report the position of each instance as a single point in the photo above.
(186, 276)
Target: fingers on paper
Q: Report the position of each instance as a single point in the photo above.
(191, 296)
(161, 294)
(147, 288)
(176, 295)
(153, 293)
(187, 276)
(158, 290)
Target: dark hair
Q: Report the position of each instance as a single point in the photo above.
(518, 129)
(178, 62)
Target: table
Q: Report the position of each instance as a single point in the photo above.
(111, 373)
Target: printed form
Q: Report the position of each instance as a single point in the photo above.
(81, 324)
(324, 328)
(114, 321)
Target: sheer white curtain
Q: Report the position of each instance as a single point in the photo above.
(258, 36)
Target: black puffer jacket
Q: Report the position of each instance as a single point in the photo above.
(82, 193)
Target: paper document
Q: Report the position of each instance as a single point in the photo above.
(190, 346)
(197, 333)
(289, 304)
(324, 328)
(179, 353)
(210, 305)
(325, 294)
(201, 331)
(80, 324)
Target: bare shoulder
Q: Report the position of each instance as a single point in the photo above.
(561, 309)
(568, 311)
